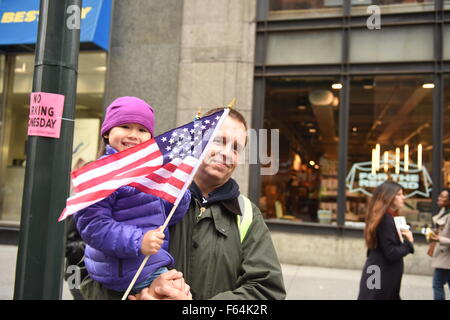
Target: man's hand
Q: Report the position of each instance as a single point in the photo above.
(168, 286)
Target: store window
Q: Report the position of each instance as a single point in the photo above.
(2, 71)
(305, 110)
(359, 7)
(304, 8)
(447, 40)
(446, 133)
(304, 47)
(400, 44)
(90, 92)
(390, 138)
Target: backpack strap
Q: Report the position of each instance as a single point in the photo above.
(244, 221)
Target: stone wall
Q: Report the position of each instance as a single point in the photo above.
(217, 61)
(144, 55)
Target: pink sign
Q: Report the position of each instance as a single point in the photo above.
(46, 110)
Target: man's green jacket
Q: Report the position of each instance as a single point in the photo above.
(207, 248)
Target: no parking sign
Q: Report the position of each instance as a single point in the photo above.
(46, 110)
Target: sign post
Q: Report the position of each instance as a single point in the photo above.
(40, 259)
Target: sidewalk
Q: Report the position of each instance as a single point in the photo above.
(302, 282)
(315, 283)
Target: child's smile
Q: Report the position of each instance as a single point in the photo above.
(127, 135)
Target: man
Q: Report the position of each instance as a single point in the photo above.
(206, 244)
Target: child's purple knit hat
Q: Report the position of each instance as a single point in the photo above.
(128, 110)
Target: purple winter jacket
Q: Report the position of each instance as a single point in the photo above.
(113, 230)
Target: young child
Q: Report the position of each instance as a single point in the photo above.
(123, 228)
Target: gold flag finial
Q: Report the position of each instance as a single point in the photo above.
(232, 103)
(199, 113)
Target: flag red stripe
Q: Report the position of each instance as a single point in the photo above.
(137, 173)
(177, 183)
(97, 195)
(155, 192)
(112, 158)
(185, 168)
(113, 174)
(170, 167)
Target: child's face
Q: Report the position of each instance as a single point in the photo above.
(127, 135)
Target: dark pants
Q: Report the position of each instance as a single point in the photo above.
(92, 290)
(440, 278)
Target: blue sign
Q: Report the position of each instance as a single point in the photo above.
(19, 22)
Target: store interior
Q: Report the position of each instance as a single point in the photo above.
(389, 138)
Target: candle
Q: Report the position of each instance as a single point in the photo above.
(385, 160)
(397, 160)
(419, 156)
(406, 156)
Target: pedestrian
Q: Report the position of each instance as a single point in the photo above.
(120, 230)
(219, 258)
(383, 270)
(440, 260)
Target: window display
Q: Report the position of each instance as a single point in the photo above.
(89, 110)
(390, 138)
(305, 110)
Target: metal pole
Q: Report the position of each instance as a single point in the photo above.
(39, 269)
(438, 106)
(344, 110)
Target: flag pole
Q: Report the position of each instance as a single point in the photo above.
(175, 206)
(144, 262)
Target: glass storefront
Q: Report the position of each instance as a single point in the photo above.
(281, 9)
(359, 7)
(2, 71)
(289, 48)
(390, 138)
(446, 133)
(377, 125)
(305, 110)
(323, 8)
(89, 108)
(400, 44)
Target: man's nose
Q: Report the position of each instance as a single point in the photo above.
(227, 153)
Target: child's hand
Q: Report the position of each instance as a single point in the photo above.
(152, 241)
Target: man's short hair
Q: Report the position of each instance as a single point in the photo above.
(233, 114)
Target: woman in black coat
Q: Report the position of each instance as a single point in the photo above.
(383, 270)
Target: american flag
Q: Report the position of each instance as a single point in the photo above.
(163, 166)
